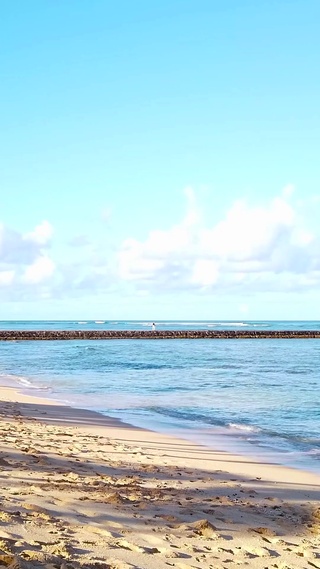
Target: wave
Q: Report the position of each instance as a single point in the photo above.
(185, 414)
(179, 323)
(240, 324)
(27, 383)
(206, 323)
(24, 381)
(191, 323)
(15, 378)
(246, 428)
(10, 379)
(233, 324)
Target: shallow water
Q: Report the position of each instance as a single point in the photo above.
(248, 395)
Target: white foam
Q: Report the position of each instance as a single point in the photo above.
(24, 381)
(191, 323)
(246, 428)
(14, 379)
(235, 324)
(229, 324)
(9, 379)
(176, 323)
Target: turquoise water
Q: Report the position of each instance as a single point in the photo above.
(254, 396)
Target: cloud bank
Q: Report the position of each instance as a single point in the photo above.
(252, 248)
(24, 258)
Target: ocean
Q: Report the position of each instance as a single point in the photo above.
(258, 397)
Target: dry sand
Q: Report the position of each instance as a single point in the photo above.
(81, 490)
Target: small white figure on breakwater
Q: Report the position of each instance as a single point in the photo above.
(153, 326)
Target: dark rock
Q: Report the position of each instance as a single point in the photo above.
(22, 335)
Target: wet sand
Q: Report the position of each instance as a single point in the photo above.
(82, 490)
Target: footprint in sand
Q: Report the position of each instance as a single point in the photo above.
(186, 566)
(115, 564)
(103, 532)
(260, 552)
(123, 543)
(264, 531)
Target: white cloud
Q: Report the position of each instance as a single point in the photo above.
(6, 277)
(243, 308)
(262, 247)
(205, 272)
(253, 247)
(248, 233)
(24, 260)
(143, 260)
(39, 271)
(41, 234)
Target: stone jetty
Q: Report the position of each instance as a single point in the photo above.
(22, 335)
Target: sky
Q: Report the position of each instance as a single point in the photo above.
(160, 160)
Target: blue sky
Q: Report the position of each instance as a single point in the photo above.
(160, 159)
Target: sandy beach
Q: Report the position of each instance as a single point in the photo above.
(81, 490)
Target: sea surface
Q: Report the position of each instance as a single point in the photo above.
(259, 397)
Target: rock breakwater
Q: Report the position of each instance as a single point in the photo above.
(22, 335)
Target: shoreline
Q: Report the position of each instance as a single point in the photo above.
(53, 411)
(139, 499)
(215, 439)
